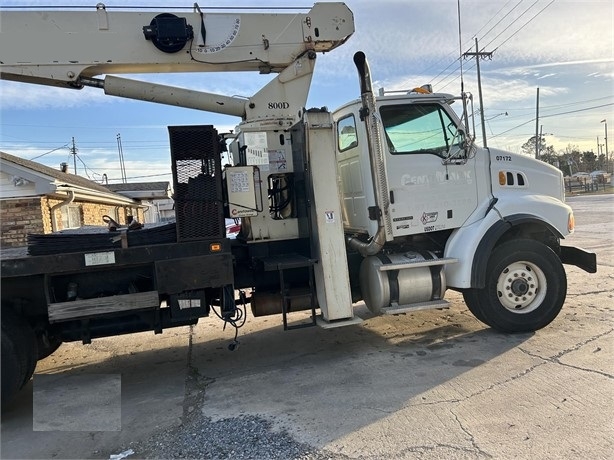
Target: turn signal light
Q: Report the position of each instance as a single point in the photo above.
(502, 180)
(571, 222)
(215, 247)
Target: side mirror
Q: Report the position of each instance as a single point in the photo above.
(459, 142)
(462, 139)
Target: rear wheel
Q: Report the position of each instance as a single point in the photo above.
(12, 367)
(20, 349)
(525, 287)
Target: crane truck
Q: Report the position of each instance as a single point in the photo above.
(387, 199)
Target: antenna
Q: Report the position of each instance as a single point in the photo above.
(460, 58)
(460, 47)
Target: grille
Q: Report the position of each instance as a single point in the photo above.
(197, 180)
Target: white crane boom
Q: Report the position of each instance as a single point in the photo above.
(68, 48)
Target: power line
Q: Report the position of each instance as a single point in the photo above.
(558, 105)
(514, 22)
(141, 177)
(552, 115)
(525, 24)
(497, 36)
(576, 111)
(500, 20)
(50, 151)
(452, 53)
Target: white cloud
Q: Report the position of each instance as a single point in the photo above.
(26, 96)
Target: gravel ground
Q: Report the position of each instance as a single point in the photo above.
(245, 437)
(236, 438)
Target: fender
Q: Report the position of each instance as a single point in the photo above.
(475, 243)
(490, 238)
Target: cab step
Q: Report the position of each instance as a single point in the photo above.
(320, 321)
(432, 304)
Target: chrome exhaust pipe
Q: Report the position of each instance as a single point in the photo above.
(368, 114)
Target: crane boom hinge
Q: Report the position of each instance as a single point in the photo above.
(103, 19)
(203, 30)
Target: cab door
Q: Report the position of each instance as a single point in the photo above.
(431, 178)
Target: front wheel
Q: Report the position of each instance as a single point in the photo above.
(525, 287)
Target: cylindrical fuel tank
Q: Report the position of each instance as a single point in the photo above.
(270, 303)
(407, 283)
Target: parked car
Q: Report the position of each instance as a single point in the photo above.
(233, 227)
(600, 176)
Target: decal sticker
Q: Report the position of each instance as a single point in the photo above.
(429, 217)
(330, 217)
(99, 258)
(277, 160)
(219, 35)
(239, 182)
(188, 303)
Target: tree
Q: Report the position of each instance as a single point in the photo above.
(528, 148)
(548, 155)
(588, 161)
(546, 152)
(570, 160)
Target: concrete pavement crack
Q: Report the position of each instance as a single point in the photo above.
(556, 358)
(195, 385)
(421, 449)
(545, 360)
(580, 294)
(474, 443)
(484, 390)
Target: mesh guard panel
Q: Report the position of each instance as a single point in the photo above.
(197, 179)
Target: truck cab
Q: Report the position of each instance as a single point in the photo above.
(430, 170)
(428, 210)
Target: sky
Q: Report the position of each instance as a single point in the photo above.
(565, 48)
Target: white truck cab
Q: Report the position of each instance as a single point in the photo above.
(428, 210)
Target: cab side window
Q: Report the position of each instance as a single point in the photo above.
(346, 133)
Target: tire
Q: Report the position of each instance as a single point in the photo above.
(13, 367)
(472, 300)
(525, 287)
(22, 336)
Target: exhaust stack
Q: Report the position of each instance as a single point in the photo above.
(368, 114)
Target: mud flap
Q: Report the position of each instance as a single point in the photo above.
(585, 260)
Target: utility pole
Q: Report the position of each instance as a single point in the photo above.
(73, 151)
(480, 55)
(121, 158)
(539, 141)
(537, 126)
(607, 162)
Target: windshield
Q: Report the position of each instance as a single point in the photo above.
(419, 128)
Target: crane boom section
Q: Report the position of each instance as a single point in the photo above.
(60, 47)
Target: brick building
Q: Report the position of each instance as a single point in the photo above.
(157, 196)
(35, 198)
